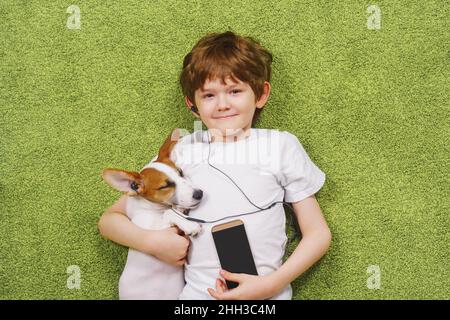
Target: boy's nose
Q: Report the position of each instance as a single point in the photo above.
(198, 194)
(223, 104)
(224, 107)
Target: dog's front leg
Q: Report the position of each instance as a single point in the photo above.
(188, 227)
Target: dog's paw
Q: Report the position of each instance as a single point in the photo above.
(192, 229)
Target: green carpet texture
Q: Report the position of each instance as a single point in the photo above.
(86, 85)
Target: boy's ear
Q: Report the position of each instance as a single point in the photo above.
(122, 180)
(189, 105)
(265, 96)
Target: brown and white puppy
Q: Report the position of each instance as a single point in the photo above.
(150, 194)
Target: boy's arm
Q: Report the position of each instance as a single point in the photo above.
(166, 244)
(316, 239)
(116, 226)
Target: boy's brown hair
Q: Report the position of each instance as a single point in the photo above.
(222, 55)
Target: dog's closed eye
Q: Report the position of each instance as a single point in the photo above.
(181, 173)
(167, 185)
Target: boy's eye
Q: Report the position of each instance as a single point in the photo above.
(208, 95)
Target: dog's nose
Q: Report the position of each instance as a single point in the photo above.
(198, 194)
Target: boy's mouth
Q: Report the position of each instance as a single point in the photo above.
(224, 117)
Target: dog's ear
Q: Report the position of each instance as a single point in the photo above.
(123, 180)
(166, 148)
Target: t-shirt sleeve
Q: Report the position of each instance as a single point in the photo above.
(298, 175)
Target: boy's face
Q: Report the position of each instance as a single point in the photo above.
(229, 108)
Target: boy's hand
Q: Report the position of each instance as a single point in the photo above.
(170, 246)
(250, 287)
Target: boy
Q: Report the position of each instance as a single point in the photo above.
(225, 81)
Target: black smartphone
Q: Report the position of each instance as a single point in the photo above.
(233, 249)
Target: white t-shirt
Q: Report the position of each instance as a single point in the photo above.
(268, 166)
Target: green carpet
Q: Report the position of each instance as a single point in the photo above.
(371, 107)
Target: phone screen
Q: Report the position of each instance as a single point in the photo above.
(233, 249)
